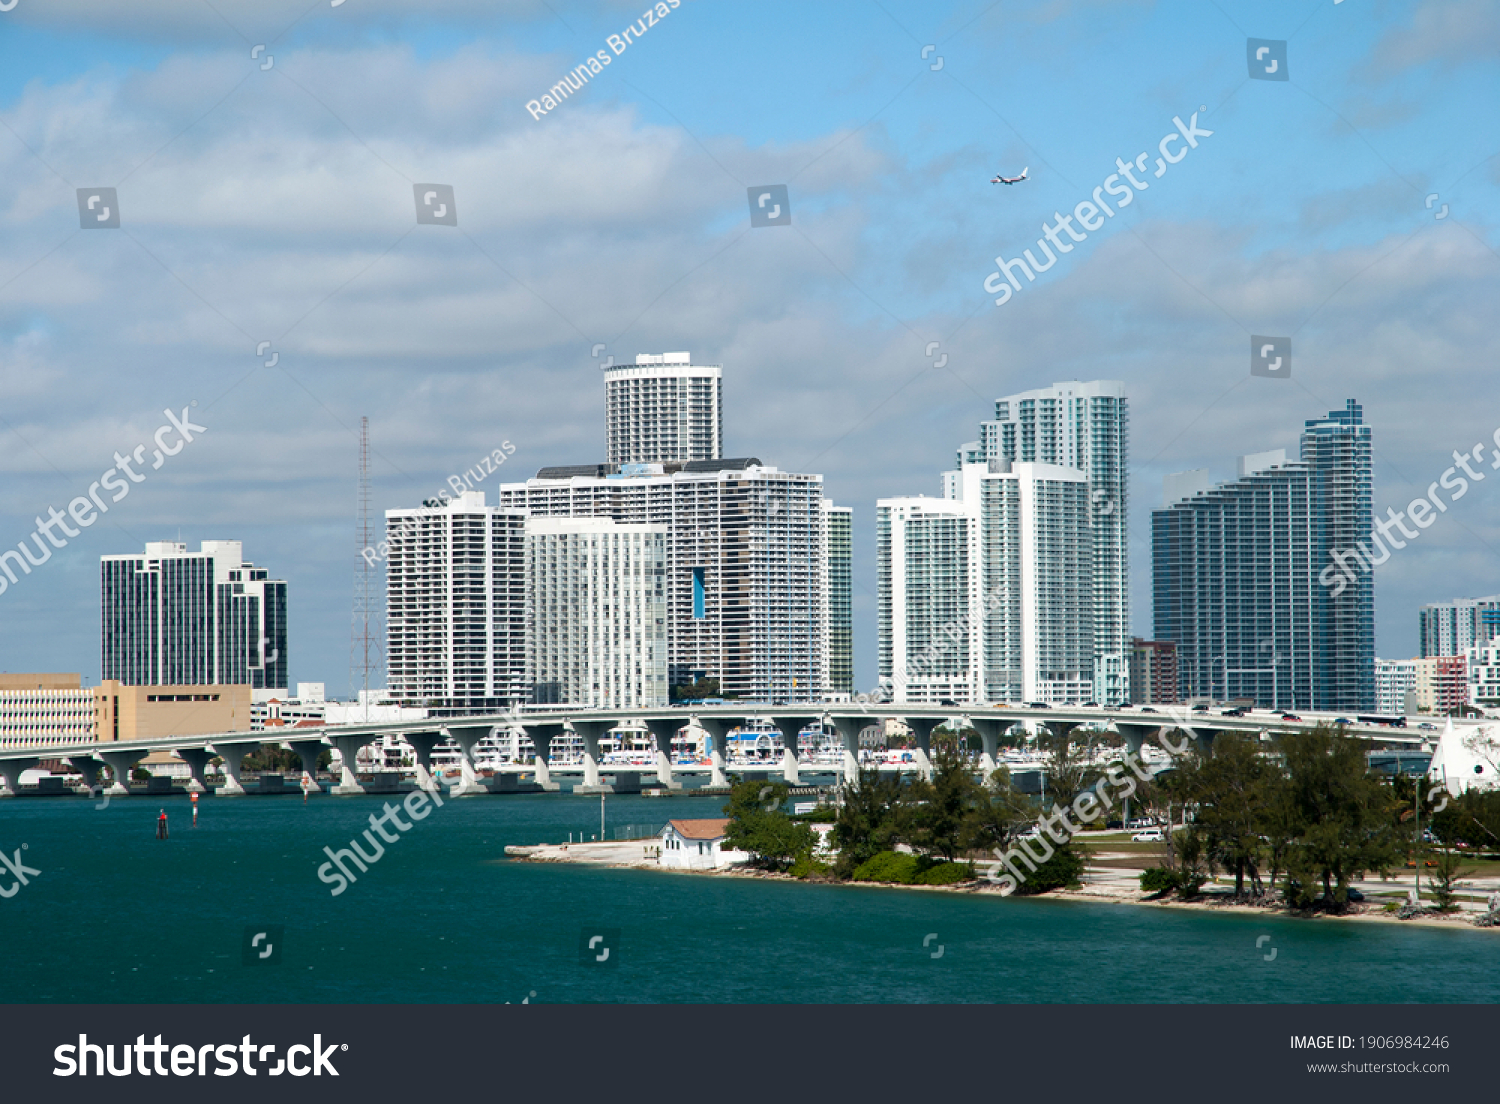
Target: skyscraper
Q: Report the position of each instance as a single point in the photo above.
(987, 595)
(838, 544)
(596, 613)
(1236, 573)
(930, 599)
(746, 585)
(170, 617)
(456, 605)
(1085, 426)
(663, 408)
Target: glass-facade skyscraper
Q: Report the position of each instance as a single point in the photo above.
(1241, 581)
(170, 617)
(838, 542)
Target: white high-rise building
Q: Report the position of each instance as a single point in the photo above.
(1452, 628)
(596, 613)
(170, 617)
(929, 594)
(987, 595)
(1084, 426)
(455, 602)
(746, 584)
(662, 409)
(1394, 680)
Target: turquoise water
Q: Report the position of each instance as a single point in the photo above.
(117, 916)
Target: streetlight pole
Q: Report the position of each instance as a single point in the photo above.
(1416, 845)
(601, 816)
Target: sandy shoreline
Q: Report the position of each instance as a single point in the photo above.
(1107, 889)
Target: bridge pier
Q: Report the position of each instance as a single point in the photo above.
(122, 763)
(197, 762)
(591, 731)
(718, 733)
(422, 744)
(467, 736)
(541, 739)
(1134, 735)
(790, 727)
(10, 771)
(348, 748)
(233, 755)
(921, 728)
(989, 729)
(87, 766)
(308, 751)
(849, 729)
(662, 730)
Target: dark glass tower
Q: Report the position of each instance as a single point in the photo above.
(1240, 579)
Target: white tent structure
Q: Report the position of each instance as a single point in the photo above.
(1467, 758)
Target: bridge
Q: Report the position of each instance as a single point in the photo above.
(1135, 725)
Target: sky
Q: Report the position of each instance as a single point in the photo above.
(264, 155)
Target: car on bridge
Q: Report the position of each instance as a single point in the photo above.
(1290, 717)
(1148, 709)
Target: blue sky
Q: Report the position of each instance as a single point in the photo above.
(275, 205)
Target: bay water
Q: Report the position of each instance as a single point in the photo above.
(115, 915)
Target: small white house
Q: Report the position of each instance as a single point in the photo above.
(697, 845)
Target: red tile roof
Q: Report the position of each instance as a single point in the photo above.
(700, 829)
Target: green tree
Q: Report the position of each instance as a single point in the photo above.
(1229, 790)
(758, 824)
(1072, 768)
(942, 810)
(870, 820)
(999, 815)
(1347, 817)
(1444, 876)
(696, 691)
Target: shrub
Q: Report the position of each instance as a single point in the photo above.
(946, 873)
(1159, 880)
(890, 867)
(807, 867)
(1062, 869)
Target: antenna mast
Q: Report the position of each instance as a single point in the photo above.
(364, 645)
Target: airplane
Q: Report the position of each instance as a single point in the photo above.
(1012, 179)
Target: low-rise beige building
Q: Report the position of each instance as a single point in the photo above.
(149, 712)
